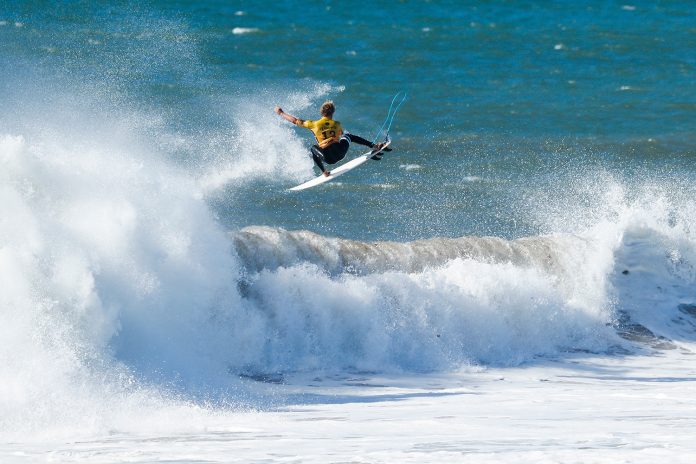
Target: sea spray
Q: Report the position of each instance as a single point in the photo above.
(111, 269)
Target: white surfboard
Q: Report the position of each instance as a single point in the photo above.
(339, 171)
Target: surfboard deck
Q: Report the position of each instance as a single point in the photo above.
(339, 171)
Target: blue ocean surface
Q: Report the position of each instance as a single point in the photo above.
(539, 199)
(503, 100)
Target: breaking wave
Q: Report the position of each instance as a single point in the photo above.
(124, 298)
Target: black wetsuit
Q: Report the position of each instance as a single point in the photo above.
(336, 151)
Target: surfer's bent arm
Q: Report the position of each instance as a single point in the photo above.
(288, 117)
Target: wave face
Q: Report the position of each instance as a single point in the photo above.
(423, 305)
(628, 276)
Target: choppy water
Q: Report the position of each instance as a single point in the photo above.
(539, 199)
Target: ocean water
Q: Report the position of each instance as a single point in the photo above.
(515, 280)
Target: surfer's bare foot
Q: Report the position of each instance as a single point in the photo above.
(327, 173)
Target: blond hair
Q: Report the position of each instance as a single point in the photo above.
(327, 108)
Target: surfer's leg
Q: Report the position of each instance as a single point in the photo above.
(357, 139)
(336, 151)
(318, 157)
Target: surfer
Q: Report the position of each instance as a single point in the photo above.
(332, 142)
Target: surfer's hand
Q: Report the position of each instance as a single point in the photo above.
(327, 173)
(278, 110)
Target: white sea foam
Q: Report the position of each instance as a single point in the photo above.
(410, 167)
(245, 30)
(109, 265)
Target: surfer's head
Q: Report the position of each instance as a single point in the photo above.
(327, 109)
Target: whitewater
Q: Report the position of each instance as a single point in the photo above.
(491, 296)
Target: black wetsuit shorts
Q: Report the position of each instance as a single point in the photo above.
(336, 151)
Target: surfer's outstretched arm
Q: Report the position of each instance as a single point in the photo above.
(288, 117)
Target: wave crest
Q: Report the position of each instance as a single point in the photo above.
(262, 247)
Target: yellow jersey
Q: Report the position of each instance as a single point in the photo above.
(327, 131)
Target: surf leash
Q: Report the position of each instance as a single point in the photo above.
(390, 116)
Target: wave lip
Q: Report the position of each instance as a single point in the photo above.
(261, 247)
